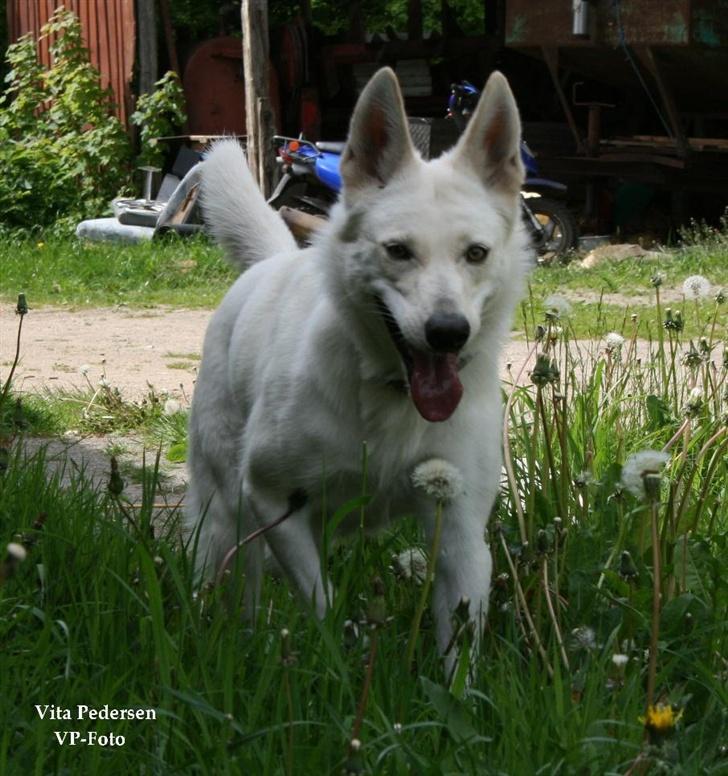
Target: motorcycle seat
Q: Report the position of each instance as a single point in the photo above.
(332, 147)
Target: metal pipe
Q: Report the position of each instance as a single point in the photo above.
(580, 18)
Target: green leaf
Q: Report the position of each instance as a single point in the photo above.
(453, 712)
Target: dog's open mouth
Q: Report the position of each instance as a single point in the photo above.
(433, 377)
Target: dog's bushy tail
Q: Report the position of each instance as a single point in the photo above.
(236, 213)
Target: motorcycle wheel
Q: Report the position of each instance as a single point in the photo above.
(558, 225)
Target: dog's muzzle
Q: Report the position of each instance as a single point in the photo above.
(433, 376)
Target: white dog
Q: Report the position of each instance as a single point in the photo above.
(388, 329)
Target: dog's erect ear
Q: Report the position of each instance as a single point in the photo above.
(379, 143)
(491, 142)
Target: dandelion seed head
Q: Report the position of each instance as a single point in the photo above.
(583, 637)
(17, 552)
(614, 341)
(172, 407)
(620, 660)
(397, 727)
(84, 369)
(557, 306)
(696, 287)
(104, 383)
(438, 479)
(410, 564)
(638, 466)
(657, 279)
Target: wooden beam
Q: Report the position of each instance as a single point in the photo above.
(259, 118)
(648, 59)
(551, 56)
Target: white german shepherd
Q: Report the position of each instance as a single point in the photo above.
(388, 329)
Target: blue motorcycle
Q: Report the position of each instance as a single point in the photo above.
(311, 180)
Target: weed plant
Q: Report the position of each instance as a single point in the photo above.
(606, 640)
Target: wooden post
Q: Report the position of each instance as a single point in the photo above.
(169, 36)
(258, 112)
(414, 19)
(147, 42)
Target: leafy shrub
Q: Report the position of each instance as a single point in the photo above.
(157, 114)
(62, 151)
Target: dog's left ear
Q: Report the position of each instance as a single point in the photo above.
(492, 139)
(379, 143)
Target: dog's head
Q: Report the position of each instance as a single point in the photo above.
(429, 244)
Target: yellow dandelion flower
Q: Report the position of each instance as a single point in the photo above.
(39, 245)
(661, 718)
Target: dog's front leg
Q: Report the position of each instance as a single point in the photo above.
(462, 573)
(293, 542)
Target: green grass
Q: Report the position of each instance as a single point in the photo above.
(65, 271)
(105, 610)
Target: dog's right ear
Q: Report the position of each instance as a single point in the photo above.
(379, 143)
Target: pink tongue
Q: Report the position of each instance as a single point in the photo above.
(435, 385)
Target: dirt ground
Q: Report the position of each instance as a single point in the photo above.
(133, 349)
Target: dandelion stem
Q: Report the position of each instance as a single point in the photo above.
(549, 451)
(431, 561)
(363, 700)
(14, 365)
(552, 613)
(507, 459)
(714, 461)
(656, 586)
(684, 425)
(294, 504)
(524, 606)
(661, 338)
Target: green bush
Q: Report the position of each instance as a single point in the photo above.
(62, 150)
(157, 115)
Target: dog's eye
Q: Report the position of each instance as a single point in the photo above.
(476, 254)
(398, 251)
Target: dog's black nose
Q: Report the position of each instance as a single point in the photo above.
(446, 332)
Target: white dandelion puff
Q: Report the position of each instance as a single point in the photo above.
(583, 637)
(411, 564)
(84, 369)
(614, 341)
(638, 466)
(619, 660)
(172, 407)
(104, 383)
(696, 287)
(17, 552)
(438, 479)
(557, 305)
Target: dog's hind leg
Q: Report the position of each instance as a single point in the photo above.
(293, 543)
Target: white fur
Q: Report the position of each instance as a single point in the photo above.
(297, 364)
